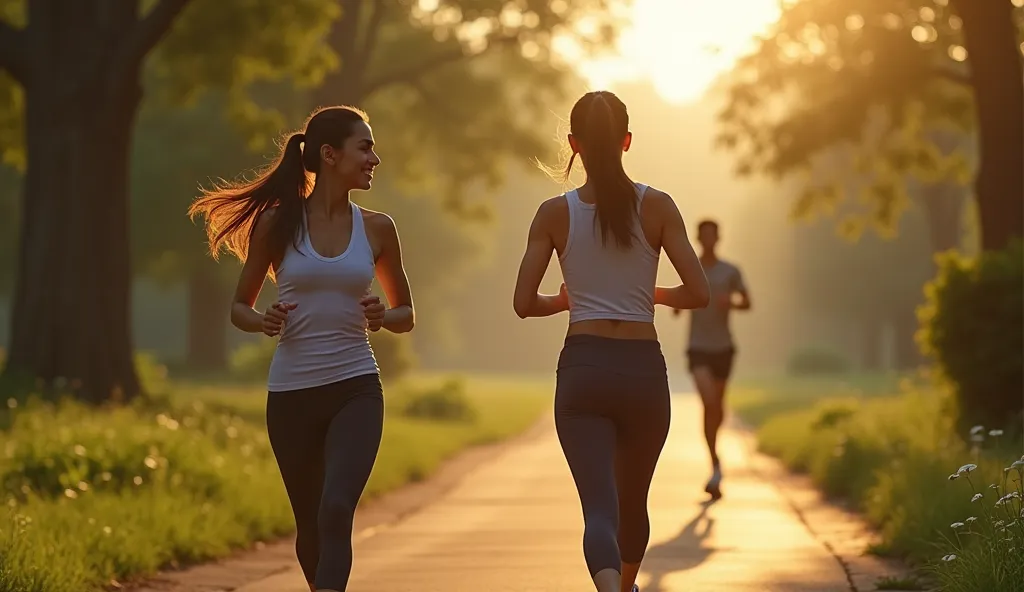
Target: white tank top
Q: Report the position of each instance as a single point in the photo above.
(605, 281)
(325, 338)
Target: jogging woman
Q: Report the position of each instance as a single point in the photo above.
(325, 407)
(612, 399)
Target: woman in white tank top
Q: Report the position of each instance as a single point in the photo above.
(612, 399)
(325, 407)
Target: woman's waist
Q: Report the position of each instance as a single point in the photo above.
(340, 340)
(636, 356)
(613, 329)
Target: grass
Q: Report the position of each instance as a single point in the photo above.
(756, 400)
(891, 453)
(96, 496)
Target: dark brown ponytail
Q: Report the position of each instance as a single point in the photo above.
(231, 209)
(599, 123)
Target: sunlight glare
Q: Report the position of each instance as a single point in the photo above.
(682, 46)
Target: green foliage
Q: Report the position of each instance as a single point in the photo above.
(810, 361)
(199, 457)
(445, 402)
(986, 545)
(855, 97)
(971, 324)
(887, 456)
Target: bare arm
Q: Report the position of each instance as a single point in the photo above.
(539, 246)
(694, 292)
(399, 317)
(740, 288)
(250, 282)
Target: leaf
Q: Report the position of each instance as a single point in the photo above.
(857, 91)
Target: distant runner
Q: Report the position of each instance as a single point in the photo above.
(711, 348)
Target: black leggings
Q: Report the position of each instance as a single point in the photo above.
(612, 414)
(326, 439)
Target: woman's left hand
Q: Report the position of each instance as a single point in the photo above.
(374, 310)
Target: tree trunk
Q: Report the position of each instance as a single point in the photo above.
(990, 37)
(71, 310)
(208, 300)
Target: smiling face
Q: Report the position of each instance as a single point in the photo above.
(353, 163)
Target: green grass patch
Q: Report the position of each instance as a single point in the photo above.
(756, 400)
(94, 496)
(897, 459)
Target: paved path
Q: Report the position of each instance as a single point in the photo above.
(514, 524)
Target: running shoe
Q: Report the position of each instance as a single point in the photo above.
(714, 486)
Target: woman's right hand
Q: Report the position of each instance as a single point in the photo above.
(275, 317)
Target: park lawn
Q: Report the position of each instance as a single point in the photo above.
(889, 456)
(97, 496)
(758, 399)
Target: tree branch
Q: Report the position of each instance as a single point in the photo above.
(147, 32)
(14, 51)
(417, 71)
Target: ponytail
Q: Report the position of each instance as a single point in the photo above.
(600, 135)
(232, 209)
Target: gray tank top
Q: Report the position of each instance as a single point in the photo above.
(604, 281)
(325, 338)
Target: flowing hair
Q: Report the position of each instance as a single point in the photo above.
(231, 209)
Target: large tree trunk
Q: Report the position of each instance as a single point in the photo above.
(207, 333)
(79, 64)
(71, 310)
(990, 37)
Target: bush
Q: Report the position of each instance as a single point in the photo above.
(447, 402)
(971, 325)
(394, 354)
(813, 361)
(888, 458)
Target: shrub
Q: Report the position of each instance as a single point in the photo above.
(447, 402)
(971, 325)
(812, 361)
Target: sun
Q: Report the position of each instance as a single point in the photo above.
(682, 46)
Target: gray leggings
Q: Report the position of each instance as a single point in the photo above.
(612, 414)
(326, 439)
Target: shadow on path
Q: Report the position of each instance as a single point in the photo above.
(685, 551)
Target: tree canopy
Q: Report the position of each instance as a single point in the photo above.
(857, 97)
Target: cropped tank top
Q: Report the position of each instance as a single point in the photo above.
(605, 281)
(325, 338)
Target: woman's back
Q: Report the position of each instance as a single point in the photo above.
(606, 282)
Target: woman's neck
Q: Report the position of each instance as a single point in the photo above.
(328, 201)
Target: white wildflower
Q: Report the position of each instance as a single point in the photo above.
(976, 497)
(967, 468)
(949, 557)
(956, 525)
(995, 433)
(971, 519)
(977, 430)
(954, 476)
